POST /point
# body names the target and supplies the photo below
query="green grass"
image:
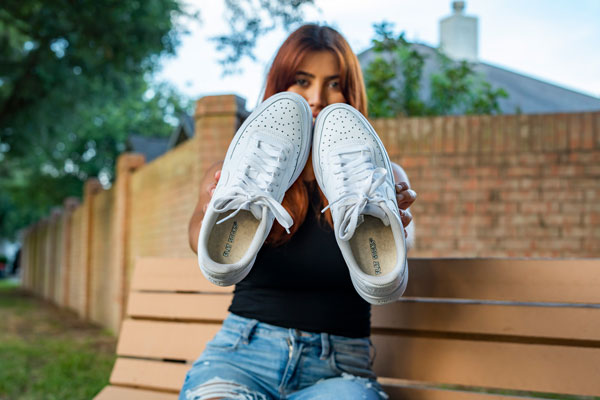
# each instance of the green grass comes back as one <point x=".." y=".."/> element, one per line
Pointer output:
<point x="47" y="353"/>
<point x="7" y="284"/>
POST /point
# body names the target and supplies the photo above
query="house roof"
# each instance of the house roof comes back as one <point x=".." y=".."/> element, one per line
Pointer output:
<point x="535" y="96"/>
<point x="150" y="147"/>
<point x="153" y="147"/>
<point x="183" y="132"/>
<point x="525" y="94"/>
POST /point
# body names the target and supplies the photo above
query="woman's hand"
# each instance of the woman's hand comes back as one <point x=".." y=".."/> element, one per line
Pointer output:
<point x="207" y="188"/>
<point x="405" y="197"/>
<point x="210" y="189"/>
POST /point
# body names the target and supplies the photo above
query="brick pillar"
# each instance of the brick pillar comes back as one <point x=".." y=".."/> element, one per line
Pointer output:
<point x="35" y="257"/>
<point x="92" y="187"/>
<point x="52" y="263"/>
<point x="32" y="257"/>
<point x="217" y="119"/>
<point x="40" y="253"/>
<point x="69" y="206"/>
<point x="40" y="264"/>
<point x="26" y="249"/>
<point x="126" y="164"/>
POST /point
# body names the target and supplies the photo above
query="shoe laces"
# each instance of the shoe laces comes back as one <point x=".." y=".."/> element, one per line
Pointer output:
<point x="356" y="183"/>
<point x="256" y="181"/>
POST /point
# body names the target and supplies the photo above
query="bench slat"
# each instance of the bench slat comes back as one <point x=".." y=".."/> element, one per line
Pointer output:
<point x="179" y="305"/>
<point x="162" y="375"/>
<point x="123" y="393"/>
<point x="569" y="323"/>
<point x="516" y="366"/>
<point x="157" y="339"/>
<point x="172" y="274"/>
<point x="422" y="393"/>
<point x="524" y="321"/>
<point x="523" y="280"/>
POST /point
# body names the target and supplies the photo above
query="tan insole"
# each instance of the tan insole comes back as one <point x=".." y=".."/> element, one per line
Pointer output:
<point x="230" y="240"/>
<point x="373" y="247"/>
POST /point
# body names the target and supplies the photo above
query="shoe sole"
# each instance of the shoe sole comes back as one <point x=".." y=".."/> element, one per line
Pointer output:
<point x="226" y="229"/>
<point x="385" y="299"/>
<point x="363" y="253"/>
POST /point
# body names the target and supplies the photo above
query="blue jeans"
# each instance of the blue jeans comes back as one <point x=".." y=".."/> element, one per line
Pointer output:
<point x="248" y="359"/>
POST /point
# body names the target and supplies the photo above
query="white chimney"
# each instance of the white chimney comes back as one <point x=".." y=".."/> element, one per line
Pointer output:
<point x="458" y="34"/>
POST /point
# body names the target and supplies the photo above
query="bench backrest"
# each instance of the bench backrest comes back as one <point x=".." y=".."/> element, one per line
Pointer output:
<point x="484" y="325"/>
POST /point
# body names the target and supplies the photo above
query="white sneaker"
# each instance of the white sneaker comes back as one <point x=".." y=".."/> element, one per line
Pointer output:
<point x="265" y="157"/>
<point x="354" y="171"/>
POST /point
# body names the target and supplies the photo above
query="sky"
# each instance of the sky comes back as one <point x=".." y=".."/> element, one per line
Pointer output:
<point x="557" y="41"/>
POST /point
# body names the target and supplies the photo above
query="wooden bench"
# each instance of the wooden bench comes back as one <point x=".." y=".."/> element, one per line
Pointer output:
<point x="464" y="327"/>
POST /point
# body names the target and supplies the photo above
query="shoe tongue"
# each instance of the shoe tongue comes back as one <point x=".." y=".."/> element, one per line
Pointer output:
<point x="353" y="147"/>
<point x="256" y="210"/>
<point x="376" y="211"/>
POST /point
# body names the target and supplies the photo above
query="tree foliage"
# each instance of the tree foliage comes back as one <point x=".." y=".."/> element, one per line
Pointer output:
<point x="248" y="20"/>
<point x="75" y="82"/>
<point x="77" y="78"/>
<point x="394" y="81"/>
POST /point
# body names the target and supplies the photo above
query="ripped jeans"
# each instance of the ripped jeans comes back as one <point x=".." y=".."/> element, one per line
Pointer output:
<point x="248" y="359"/>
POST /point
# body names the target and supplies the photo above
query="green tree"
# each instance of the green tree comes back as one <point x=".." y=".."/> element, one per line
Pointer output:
<point x="75" y="81"/>
<point x="395" y="77"/>
<point x="77" y="78"/>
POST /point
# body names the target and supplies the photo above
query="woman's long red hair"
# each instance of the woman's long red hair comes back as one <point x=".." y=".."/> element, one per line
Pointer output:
<point x="282" y="75"/>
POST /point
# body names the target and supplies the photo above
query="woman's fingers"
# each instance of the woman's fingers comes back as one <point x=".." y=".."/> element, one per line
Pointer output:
<point x="401" y="186"/>
<point x="404" y="196"/>
<point x="211" y="187"/>
<point x="405" y="217"/>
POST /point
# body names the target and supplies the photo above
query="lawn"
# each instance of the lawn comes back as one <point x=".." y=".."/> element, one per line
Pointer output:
<point x="47" y="353"/>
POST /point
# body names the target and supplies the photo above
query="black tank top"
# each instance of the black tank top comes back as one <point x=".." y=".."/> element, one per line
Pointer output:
<point x="304" y="284"/>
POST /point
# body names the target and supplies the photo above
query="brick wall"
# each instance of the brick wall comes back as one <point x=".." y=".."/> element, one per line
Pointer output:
<point x="162" y="196"/>
<point x="77" y="280"/>
<point x="102" y="286"/>
<point x="58" y="273"/>
<point x="76" y="258"/>
<point x="165" y="192"/>
<point x="516" y="186"/>
<point x="65" y="243"/>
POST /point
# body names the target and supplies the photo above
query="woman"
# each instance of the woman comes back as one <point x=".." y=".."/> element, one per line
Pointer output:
<point x="297" y="328"/>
